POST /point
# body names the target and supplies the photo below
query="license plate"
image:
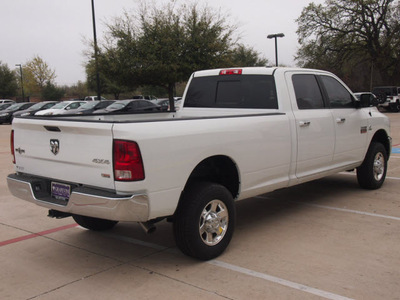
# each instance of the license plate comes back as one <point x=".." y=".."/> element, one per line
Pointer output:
<point x="60" y="191"/>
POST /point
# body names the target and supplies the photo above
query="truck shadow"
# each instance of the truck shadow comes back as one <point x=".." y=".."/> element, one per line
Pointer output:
<point x="253" y="215"/>
<point x="294" y="200"/>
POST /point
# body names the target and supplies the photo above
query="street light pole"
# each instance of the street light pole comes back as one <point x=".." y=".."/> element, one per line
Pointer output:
<point x="275" y="36"/>
<point x="22" y="81"/>
<point x="95" y="53"/>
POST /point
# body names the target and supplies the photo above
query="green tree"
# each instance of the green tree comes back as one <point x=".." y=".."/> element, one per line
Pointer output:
<point x="8" y="82"/>
<point x="163" y="46"/>
<point x="51" y="92"/>
<point x="37" y="74"/>
<point x="349" y="36"/>
<point x="243" y="56"/>
<point x="111" y="73"/>
<point x="78" y="90"/>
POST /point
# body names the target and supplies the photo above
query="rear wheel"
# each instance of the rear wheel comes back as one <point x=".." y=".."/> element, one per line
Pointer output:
<point x="94" y="223"/>
<point x="204" y="221"/>
<point x="372" y="173"/>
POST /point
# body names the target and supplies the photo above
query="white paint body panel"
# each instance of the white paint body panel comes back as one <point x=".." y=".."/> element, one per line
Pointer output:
<point x="269" y="147"/>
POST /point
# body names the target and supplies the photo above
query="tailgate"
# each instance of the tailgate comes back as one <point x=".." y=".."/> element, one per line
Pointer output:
<point x="75" y="152"/>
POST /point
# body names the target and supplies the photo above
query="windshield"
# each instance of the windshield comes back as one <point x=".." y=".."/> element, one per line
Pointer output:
<point x="37" y="106"/>
<point x="16" y="106"/>
<point x="89" y="105"/>
<point x="61" y="105"/>
<point x="117" y="105"/>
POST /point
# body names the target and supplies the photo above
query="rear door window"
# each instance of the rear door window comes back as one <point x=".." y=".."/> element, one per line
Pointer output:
<point x="308" y="92"/>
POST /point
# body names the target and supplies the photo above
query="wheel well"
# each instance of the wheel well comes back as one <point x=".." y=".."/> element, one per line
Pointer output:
<point x="219" y="169"/>
<point x="382" y="137"/>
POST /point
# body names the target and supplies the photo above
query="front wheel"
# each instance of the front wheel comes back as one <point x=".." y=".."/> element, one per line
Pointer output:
<point x="204" y="221"/>
<point x="372" y="173"/>
<point x="395" y="107"/>
<point x="94" y="223"/>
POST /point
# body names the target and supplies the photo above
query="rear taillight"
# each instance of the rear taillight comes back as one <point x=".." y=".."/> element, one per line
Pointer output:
<point x="231" y="72"/>
<point x="128" y="164"/>
<point x="12" y="146"/>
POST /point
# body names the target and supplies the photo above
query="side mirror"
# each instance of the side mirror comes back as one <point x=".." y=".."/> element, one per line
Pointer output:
<point x="367" y="100"/>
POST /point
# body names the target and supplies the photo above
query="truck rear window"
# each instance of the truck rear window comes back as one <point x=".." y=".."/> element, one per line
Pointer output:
<point x="233" y="91"/>
<point x="388" y="91"/>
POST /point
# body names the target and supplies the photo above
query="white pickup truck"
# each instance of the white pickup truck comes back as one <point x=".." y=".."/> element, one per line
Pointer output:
<point x="241" y="133"/>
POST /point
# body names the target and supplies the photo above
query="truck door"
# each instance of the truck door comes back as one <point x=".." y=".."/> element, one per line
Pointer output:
<point x="314" y="125"/>
<point x="351" y="124"/>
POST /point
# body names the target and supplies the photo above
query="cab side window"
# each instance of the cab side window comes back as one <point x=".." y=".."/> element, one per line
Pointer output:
<point x="308" y="93"/>
<point x="338" y="95"/>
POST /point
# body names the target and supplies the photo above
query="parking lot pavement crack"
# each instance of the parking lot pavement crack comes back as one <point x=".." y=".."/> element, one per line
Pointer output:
<point x="74" y="281"/>
<point x="212" y="293"/>
<point x="86" y="250"/>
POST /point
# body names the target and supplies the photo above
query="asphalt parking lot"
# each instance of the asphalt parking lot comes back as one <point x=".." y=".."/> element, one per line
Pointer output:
<point x="326" y="239"/>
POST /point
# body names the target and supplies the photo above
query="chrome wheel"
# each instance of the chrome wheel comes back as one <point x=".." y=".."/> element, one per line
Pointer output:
<point x="379" y="166"/>
<point x="372" y="173"/>
<point x="205" y="220"/>
<point x="214" y="221"/>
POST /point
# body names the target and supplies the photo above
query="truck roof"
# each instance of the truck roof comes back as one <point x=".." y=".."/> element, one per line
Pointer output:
<point x="250" y="71"/>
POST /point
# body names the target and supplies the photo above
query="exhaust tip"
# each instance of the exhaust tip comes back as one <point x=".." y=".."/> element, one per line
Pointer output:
<point x="58" y="214"/>
<point x="148" y="227"/>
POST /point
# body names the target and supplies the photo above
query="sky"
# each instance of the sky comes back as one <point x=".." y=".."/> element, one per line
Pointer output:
<point x="56" y="30"/>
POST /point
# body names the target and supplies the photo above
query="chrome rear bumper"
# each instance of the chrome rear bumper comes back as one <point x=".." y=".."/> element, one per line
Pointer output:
<point x="83" y="201"/>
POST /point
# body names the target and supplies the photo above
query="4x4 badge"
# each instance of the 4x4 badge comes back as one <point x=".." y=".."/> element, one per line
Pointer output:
<point x="55" y="146"/>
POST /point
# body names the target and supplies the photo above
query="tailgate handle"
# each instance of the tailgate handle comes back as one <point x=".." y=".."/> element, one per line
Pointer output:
<point x="52" y="128"/>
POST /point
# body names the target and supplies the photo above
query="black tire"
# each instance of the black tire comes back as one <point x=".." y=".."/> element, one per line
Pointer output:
<point x="381" y="98"/>
<point x="94" y="223"/>
<point x="205" y="220"/>
<point x="372" y="173"/>
<point x="395" y="107"/>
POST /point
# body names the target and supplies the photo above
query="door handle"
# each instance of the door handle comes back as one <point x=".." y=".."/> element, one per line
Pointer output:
<point x="340" y="120"/>
<point x="304" y="123"/>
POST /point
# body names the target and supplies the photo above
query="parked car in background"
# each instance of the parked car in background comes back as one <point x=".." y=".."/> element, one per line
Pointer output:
<point x="178" y="104"/>
<point x="93" y="98"/>
<point x="60" y="108"/>
<point x="129" y="106"/>
<point x="6" y="115"/>
<point x="388" y="96"/>
<point x="372" y="98"/>
<point x="5" y="105"/>
<point x="146" y="97"/>
<point x="6" y="101"/>
<point x="164" y="103"/>
<point x="91" y="106"/>
<point x="35" y="108"/>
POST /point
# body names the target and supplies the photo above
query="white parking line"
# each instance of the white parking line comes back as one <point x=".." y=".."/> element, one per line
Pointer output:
<point x="235" y="268"/>
<point x="277" y="280"/>
<point x="349" y="211"/>
<point x="354" y="174"/>
<point x="358" y="212"/>
<point x="267" y="277"/>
